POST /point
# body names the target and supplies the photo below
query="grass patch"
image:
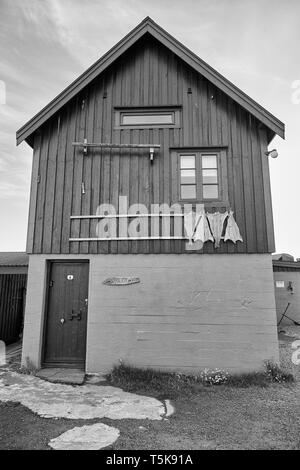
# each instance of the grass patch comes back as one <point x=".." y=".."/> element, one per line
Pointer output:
<point x="170" y="384"/>
<point x="28" y="369"/>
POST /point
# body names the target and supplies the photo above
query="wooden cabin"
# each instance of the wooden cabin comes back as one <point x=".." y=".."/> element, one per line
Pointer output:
<point x="153" y="125"/>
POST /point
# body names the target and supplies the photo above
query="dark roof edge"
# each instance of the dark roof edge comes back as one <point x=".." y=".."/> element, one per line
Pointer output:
<point x="286" y="264"/>
<point x="13" y="265"/>
<point x="148" y="25"/>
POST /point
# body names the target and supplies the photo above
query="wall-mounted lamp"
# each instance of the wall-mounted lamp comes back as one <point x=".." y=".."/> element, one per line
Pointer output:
<point x="151" y="154"/>
<point x="272" y="153"/>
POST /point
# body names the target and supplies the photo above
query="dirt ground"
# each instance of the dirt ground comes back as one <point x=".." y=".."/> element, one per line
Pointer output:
<point x="217" y="417"/>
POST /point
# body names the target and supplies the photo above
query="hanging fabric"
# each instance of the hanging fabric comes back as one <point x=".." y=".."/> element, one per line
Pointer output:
<point x="216" y="222"/>
<point x="202" y="231"/>
<point x="191" y="221"/>
<point x="232" y="231"/>
<point x="198" y="235"/>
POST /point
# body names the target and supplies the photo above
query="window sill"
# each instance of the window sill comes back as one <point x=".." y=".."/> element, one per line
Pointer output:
<point x="152" y="126"/>
<point x="206" y="202"/>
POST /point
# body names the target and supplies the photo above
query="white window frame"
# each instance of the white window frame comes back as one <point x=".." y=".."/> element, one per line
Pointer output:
<point x="142" y="111"/>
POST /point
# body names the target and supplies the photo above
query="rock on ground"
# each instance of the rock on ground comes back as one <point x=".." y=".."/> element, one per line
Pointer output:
<point x="90" y="437"/>
<point x="89" y="401"/>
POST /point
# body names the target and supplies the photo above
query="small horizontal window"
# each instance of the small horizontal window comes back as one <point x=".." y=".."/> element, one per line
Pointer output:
<point x="146" y="118"/>
<point x="140" y="119"/>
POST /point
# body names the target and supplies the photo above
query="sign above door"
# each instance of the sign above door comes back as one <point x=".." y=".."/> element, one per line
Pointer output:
<point x="121" y="281"/>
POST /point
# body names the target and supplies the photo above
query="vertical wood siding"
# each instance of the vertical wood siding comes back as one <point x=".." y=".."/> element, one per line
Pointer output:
<point x="12" y="296"/>
<point x="148" y="75"/>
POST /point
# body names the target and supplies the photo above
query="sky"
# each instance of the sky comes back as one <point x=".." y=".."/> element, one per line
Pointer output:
<point x="46" y="44"/>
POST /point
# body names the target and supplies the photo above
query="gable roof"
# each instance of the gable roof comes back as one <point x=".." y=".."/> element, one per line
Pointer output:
<point x="150" y="27"/>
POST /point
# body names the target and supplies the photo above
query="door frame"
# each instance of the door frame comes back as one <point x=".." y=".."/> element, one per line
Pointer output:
<point x="49" y="263"/>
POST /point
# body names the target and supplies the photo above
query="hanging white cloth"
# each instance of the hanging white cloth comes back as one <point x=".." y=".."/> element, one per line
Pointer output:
<point x="216" y="223"/>
<point x="232" y="231"/>
<point x="190" y="222"/>
<point x="202" y="231"/>
<point x="198" y="234"/>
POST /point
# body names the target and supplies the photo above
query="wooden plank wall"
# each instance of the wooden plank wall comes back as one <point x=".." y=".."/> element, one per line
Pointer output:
<point x="12" y="296"/>
<point x="148" y="75"/>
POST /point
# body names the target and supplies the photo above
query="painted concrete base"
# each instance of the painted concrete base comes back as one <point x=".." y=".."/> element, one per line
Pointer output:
<point x="90" y="437"/>
<point x="85" y="402"/>
<point x="188" y="313"/>
<point x="62" y="376"/>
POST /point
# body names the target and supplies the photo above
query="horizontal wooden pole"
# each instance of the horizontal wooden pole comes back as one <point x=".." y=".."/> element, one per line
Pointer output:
<point x="120" y="216"/>
<point x="114" y="145"/>
<point x="107" y="239"/>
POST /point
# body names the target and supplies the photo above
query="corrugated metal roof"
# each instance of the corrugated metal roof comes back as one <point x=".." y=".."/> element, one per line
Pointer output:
<point x="13" y="258"/>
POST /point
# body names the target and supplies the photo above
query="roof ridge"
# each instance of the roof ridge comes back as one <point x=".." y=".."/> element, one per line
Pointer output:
<point x="150" y="26"/>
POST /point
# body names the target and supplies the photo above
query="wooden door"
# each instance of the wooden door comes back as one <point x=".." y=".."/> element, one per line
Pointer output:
<point x="66" y="322"/>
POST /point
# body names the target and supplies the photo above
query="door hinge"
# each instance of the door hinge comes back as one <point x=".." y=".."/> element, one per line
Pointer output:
<point x="51" y="283"/>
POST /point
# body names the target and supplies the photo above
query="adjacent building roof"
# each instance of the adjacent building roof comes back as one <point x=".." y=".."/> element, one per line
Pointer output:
<point x="148" y="26"/>
<point x="13" y="258"/>
<point x="282" y="257"/>
<point x="285" y="262"/>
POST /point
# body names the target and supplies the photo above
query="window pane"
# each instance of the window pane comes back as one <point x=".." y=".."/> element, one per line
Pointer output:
<point x="188" y="177"/>
<point x="148" y="119"/>
<point x="210" y="191"/>
<point x="209" y="161"/>
<point x="210" y="176"/>
<point x="187" y="161"/>
<point x="188" y="191"/>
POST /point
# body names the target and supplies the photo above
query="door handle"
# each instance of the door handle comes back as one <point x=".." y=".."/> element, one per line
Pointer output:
<point x="75" y="315"/>
<point x="62" y="321"/>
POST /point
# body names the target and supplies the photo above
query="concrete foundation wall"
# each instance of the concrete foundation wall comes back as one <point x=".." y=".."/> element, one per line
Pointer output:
<point x="188" y="312"/>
